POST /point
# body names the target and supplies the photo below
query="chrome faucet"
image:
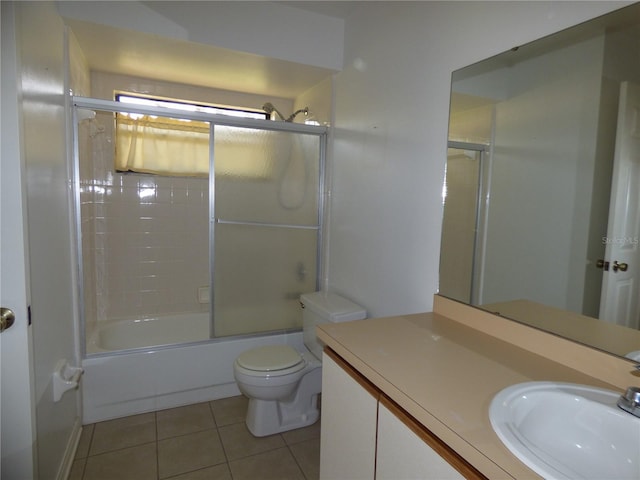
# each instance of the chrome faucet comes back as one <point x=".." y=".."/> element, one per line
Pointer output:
<point x="630" y="401"/>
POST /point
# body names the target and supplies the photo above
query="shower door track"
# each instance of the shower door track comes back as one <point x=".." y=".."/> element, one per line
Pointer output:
<point x="261" y="224"/>
<point x="213" y="119"/>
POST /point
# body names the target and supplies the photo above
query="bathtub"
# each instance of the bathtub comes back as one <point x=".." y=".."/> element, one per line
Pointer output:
<point x="149" y="332"/>
<point x="122" y="383"/>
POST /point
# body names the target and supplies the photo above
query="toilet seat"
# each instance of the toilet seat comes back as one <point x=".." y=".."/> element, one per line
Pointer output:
<point x="272" y="360"/>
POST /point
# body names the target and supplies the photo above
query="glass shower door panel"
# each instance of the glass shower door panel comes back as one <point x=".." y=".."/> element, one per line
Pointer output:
<point x="266" y="177"/>
<point x="459" y="224"/>
<point x="260" y="273"/>
<point x="266" y="232"/>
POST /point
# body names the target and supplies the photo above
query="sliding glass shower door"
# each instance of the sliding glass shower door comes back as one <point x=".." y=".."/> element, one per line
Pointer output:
<point x="265" y="234"/>
<point x="222" y="248"/>
<point x="460" y="253"/>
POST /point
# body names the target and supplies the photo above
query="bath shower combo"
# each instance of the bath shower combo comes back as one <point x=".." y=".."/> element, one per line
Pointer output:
<point x="130" y="366"/>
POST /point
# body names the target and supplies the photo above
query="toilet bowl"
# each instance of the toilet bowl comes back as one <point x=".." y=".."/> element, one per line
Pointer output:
<point x="272" y="372"/>
<point x="283" y="384"/>
<point x="282" y="397"/>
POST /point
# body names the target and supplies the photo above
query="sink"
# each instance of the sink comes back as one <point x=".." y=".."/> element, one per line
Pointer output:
<point x="568" y="431"/>
<point x="635" y="355"/>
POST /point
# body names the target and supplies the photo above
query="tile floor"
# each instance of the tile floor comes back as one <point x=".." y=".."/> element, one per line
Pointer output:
<point x="202" y="441"/>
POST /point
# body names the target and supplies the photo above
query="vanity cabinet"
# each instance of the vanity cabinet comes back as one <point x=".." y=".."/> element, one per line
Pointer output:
<point x="403" y="450"/>
<point x="348" y="423"/>
<point x="365" y="435"/>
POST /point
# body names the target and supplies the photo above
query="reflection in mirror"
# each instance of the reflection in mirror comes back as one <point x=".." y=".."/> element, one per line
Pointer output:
<point x="463" y="201"/>
<point x="542" y="189"/>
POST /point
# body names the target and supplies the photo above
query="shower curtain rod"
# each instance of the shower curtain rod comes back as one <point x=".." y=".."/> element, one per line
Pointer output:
<point x="113" y="106"/>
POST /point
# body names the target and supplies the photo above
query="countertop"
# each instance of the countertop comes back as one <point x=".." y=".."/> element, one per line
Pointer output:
<point x="445" y="375"/>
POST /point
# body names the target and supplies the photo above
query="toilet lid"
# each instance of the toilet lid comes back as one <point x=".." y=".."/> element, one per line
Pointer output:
<point x="269" y="358"/>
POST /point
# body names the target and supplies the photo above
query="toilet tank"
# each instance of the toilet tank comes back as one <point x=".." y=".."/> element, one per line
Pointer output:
<point x="325" y="307"/>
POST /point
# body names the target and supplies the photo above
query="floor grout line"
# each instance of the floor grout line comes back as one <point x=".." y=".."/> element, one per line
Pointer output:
<point x="226" y="415"/>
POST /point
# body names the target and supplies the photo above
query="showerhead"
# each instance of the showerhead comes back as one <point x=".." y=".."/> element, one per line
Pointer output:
<point x="304" y="110"/>
<point x="269" y="108"/>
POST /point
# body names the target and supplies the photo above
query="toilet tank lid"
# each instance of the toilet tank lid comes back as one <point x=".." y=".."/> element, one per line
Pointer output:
<point x="333" y="306"/>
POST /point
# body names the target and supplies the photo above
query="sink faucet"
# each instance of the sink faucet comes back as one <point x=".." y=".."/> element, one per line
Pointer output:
<point x="630" y="401"/>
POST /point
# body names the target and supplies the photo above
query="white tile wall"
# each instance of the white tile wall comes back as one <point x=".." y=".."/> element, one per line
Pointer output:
<point x="145" y="238"/>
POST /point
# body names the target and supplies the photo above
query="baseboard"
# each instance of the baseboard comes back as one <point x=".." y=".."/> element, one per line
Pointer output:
<point x="100" y="412"/>
<point x="70" y="451"/>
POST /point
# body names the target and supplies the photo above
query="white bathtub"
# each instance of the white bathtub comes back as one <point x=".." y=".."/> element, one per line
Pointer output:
<point x="118" y="384"/>
<point x="149" y="332"/>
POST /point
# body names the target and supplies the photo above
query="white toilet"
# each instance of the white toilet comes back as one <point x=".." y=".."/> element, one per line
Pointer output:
<point x="283" y="384"/>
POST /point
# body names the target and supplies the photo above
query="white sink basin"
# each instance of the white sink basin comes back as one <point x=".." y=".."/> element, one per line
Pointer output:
<point x="568" y="431"/>
<point x="634" y="355"/>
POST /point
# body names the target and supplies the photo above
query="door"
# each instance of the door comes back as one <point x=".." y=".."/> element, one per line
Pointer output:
<point x="16" y="405"/>
<point x="619" y="301"/>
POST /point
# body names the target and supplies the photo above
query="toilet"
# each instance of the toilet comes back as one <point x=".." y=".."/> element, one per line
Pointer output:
<point x="283" y="384"/>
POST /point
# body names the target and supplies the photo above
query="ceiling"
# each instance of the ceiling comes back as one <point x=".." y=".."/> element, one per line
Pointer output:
<point x="129" y="52"/>
<point x="339" y="9"/>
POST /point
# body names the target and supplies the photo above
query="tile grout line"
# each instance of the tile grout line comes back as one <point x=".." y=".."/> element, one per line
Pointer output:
<point x="155" y="422"/>
<point x="86" y="459"/>
<point x="295" y="459"/>
<point x="224" y="450"/>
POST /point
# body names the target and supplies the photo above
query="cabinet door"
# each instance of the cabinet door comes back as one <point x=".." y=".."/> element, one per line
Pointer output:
<point x="403" y="454"/>
<point x="348" y="422"/>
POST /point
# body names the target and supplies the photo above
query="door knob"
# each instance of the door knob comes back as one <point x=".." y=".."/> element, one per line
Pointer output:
<point x="619" y="266"/>
<point x="6" y="318"/>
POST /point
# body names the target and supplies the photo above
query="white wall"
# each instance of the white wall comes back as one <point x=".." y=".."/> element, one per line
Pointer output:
<point x="271" y="29"/>
<point x="44" y="132"/>
<point x="392" y="102"/>
<point x="318" y="99"/>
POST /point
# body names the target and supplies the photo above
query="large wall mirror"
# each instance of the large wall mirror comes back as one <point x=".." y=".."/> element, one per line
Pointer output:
<point x="542" y="189"/>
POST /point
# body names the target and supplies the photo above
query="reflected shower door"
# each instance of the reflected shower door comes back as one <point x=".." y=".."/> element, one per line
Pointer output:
<point x="266" y="231"/>
<point x="460" y="223"/>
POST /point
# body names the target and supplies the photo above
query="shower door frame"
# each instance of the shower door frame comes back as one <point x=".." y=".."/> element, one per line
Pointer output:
<point x="87" y="103"/>
<point x="483" y="152"/>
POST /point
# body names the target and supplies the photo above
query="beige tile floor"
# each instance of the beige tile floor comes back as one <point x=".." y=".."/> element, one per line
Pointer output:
<point x="202" y="441"/>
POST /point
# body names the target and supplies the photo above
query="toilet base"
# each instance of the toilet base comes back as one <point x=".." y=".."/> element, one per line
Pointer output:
<point x="268" y="417"/>
<point x="265" y="417"/>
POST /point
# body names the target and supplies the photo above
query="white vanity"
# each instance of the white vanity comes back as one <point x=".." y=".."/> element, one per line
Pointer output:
<point x="408" y="397"/>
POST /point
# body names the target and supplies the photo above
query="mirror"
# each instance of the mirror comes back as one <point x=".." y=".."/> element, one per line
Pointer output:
<point x="542" y="189"/>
